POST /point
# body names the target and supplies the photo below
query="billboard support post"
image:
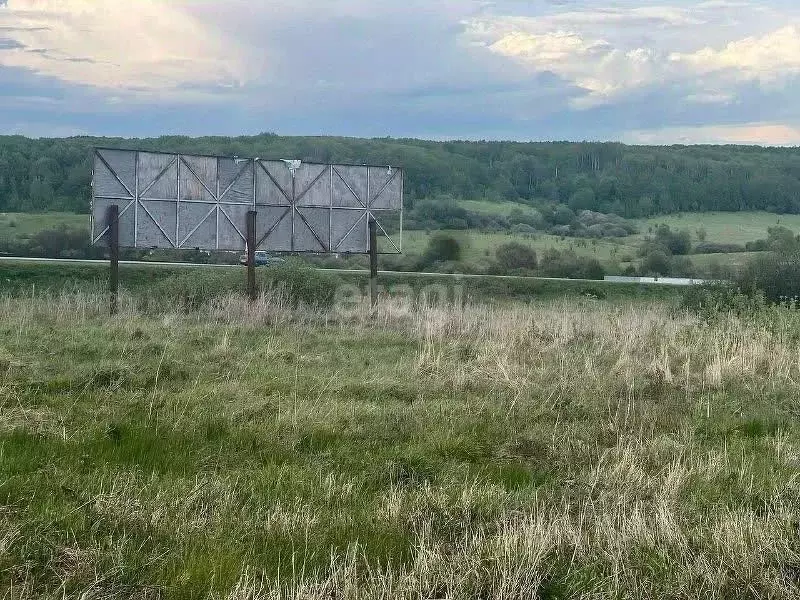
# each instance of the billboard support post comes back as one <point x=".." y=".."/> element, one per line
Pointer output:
<point x="251" y="255"/>
<point x="112" y="221"/>
<point x="373" y="262"/>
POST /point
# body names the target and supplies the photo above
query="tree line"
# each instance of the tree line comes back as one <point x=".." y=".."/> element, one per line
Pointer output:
<point x="610" y="178"/>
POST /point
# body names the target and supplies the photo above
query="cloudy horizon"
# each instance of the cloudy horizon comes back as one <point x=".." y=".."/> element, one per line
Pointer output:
<point x="717" y="71"/>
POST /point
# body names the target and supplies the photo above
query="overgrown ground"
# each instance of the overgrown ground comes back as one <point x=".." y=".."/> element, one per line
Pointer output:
<point x="557" y="450"/>
<point x="479" y="247"/>
<point x="15" y="226"/>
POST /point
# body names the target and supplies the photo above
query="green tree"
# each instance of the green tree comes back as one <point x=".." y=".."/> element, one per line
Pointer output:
<point x="782" y="239"/>
<point x="563" y="215"/>
<point x="583" y="199"/>
<point x="676" y="242"/>
<point x="657" y="263"/>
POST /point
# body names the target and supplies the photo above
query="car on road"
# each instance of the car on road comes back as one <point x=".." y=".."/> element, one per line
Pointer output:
<point x="262" y="258"/>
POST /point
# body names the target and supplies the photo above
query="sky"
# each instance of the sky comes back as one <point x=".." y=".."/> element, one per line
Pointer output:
<point x="717" y="71"/>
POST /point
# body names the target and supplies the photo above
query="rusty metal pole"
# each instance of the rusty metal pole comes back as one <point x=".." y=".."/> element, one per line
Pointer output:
<point x="112" y="219"/>
<point x="251" y="255"/>
<point x="373" y="263"/>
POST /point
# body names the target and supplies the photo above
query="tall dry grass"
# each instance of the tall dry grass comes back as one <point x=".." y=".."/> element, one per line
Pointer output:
<point x="622" y="410"/>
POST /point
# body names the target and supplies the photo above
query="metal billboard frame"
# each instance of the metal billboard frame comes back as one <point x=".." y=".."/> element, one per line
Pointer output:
<point x="157" y="182"/>
<point x="160" y="187"/>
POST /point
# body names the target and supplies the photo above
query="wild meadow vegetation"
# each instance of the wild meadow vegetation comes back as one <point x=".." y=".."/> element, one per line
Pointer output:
<point x="711" y="245"/>
<point x="306" y="447"/>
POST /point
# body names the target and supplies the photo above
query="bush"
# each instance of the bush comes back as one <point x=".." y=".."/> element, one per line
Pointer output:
<point x="523" y="229"/>
<point x="682" y="266"/>
<point x="657" y="262"/>
<point x="757" y="246"/>
<point x="777" y="276"/>
<point x="514" y="256"/>
<point x="713" y="299"/>
<point x="676" y="242"/>
<point x="59" y="242"/>
<point x="301" y="284"/>
<point x="298" y="283"/>
<point x="563" y="215"/>
<point x="193" y="288"/>
<point x="442" y="247"/>
<point x="605" y="230"/>
<point x="715" y="248"/>
<point x="569" y="265"/>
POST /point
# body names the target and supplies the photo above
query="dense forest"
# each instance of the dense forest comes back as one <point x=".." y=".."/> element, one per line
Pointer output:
<point x="629" y="181"/>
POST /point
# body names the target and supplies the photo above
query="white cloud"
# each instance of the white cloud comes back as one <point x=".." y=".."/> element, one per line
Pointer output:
<point x="592" y="64"/>
<point x="144" y="45"/>
<point x="610" y="52"/>
<point x="772" y="134"/>
<point x="463" y="68"/>
<point x="766" y="58"/>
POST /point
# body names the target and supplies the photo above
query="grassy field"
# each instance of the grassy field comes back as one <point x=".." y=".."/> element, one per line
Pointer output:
<point x="722" y="227"/>
<point x="559" y="450"/>
<point x="21" y="225"/>
<point x="733" y="228"/>
<point x="729" y="228"/>
<point x="503" y="208"/>
<point x="479" y="246"/>
<point x="734" y="260"/>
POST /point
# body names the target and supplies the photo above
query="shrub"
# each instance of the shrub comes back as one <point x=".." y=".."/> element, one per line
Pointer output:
<point x="716" y="248"/>
<point x="657" y="262"/>
<point x="523" y="229"/>
<point x="757" y="246"/>
<point x="563" y="215"/>
<point x="514" y="256"/>
<point x="712" y="299"/>
<point x="676" y="242"/>
<point x="777" y="276"/>
<point x="297" y="283"/>
<point x="682" y="266"/>
<point x="193" y="288"/>
<point x="442" y="247"/>
<point x="301" y="284"/>
<point x="568" y="264"/>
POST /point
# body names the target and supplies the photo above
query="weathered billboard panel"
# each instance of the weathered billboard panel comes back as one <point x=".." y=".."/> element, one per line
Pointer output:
<point x="186" y="202"/>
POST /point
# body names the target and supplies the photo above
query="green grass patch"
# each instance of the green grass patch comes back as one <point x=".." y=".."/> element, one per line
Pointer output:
<point x="15" y="226"/>
<point x="479" y="247"/>
<point x="550" y="449"/>
<point x="725" y="227"/>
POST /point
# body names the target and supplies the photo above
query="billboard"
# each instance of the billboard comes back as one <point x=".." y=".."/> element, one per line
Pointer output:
<point x="186" y="201"/>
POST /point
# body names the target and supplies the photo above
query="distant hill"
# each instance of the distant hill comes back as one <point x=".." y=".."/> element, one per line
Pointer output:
<point x="631" y="181"/>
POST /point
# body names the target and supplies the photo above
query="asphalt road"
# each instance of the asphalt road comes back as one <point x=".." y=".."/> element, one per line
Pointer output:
<point x="14" y="259"/>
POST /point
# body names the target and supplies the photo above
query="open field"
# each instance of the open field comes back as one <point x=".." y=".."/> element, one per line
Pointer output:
<point x="721" y="227"/>
<point x="734" y="260"/>
<point x="21" y="225"/>
<point x="480" y="246"/>
<point x="728" y="228"/>
<point x="503" y="208"/>
<point x="557" y="450"/>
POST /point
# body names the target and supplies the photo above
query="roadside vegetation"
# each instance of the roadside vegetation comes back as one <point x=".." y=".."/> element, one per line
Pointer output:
<point x="657" y="249"/>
